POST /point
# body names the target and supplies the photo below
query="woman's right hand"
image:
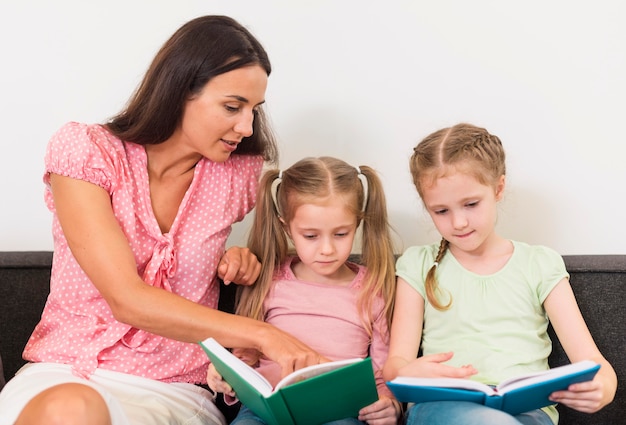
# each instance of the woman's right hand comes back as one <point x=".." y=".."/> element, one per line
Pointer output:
<point x="431" y="366"/>
<point x="290" y="353"/>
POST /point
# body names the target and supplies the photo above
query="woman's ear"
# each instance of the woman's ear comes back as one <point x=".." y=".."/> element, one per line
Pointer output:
<point x="500" y="187"/>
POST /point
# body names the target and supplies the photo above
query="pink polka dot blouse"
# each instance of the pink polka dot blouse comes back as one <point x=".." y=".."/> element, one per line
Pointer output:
<point x="77" y="326"/>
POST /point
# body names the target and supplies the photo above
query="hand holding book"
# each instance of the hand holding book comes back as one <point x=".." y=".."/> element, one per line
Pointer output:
<point x="305" y="397"/>
<point x="516" y="395"/>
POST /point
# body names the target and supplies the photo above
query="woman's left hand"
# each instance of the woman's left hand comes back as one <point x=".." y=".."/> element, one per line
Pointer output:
<point x="385" y="411"/>
<point x="239" y="265"/>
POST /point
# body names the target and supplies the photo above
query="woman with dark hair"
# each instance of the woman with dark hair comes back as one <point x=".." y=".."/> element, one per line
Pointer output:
<point x="142" y="207"/>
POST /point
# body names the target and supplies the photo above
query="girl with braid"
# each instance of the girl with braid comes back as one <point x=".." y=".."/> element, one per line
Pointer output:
<point x="476" y="304"/>
<point x="338" y="308"/>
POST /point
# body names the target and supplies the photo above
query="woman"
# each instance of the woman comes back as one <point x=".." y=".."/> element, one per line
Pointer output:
<point x="142" y="207"/>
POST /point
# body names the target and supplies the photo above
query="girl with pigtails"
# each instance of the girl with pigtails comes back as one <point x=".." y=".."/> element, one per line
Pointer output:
<point x="338" y="308"/>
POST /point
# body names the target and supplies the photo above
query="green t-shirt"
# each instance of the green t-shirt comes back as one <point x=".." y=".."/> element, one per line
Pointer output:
<point x="497" y="322"/>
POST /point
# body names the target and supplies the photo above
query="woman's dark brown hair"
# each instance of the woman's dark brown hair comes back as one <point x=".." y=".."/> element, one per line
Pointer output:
<point x="200" y="50"/>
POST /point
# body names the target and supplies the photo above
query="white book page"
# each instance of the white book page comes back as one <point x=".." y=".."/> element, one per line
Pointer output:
<point x="533" y="378"/>
<point x="311" y="371"/>
<point x="446" y="383"/>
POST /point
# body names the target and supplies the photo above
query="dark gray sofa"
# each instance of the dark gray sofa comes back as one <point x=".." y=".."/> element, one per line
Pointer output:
<point x="599" y="282"/>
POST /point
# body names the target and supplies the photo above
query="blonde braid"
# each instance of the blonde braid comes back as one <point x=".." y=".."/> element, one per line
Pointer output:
<point x="431" y="284"/>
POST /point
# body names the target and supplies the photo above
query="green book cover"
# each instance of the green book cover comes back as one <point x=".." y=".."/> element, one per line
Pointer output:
<point x="309" y="396"/>
<point x="514" y="396"/>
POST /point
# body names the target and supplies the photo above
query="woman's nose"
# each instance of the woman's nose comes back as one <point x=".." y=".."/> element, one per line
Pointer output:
<point x="244" y="124"/>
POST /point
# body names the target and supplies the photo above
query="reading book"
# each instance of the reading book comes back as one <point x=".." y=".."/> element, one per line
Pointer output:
<point x="514" y="396"/>
<point x="309" y="396"/>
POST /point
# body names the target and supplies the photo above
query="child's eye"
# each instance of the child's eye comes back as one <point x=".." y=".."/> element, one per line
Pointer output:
<point x="472" y="204"/>
<point x="441" y="211"/>
<point x="309" y="236"/>
<point x="341" y="234"/>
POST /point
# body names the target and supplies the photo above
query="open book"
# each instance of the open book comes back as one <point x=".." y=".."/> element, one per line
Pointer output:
<point x="514" y="395"/>
<point x="311" y="395"/>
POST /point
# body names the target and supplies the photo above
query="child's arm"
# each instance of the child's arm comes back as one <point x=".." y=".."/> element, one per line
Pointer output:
<point x="385" y="410"/>
<point x="406" y="334"/>
<point x="574" y="336"/>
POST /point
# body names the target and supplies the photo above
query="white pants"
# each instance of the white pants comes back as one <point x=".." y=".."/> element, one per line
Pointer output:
<point x="132" y="400"/>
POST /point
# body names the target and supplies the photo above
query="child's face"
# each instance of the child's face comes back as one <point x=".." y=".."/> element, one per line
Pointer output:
<point x="322" y="236"/>
<point x="463" y="209"/>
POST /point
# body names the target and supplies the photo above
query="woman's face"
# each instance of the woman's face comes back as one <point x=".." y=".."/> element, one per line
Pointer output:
<point x="221" y="115"/>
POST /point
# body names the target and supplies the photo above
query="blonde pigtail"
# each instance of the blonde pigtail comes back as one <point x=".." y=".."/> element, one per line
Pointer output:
<point x="267" y="240"/>
<point x="377" y="249"/>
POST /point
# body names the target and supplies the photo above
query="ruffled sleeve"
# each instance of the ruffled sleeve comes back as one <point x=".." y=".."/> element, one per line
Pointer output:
<point x="247" y="171"/>
<point x="84" y="152"/>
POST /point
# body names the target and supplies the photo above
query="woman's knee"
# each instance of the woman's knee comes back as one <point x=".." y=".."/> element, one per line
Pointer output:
<point x="66" y="404"/>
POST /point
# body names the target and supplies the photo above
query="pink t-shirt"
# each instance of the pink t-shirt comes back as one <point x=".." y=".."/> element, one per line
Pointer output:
<point x="77" y="326"/>
<point x="326" y="318"/>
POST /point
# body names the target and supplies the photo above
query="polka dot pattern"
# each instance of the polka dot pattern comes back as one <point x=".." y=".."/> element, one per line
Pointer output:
<point x="77" y="326"/>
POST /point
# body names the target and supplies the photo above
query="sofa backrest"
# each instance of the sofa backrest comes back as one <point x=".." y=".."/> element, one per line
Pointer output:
<point x="599" y="284"/>
<point x="24" y="288"/>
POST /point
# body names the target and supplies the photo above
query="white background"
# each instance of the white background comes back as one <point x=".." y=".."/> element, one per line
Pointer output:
<point x="361" y="80"/>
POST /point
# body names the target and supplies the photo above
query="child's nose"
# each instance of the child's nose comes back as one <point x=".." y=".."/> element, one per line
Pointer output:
<point x="459" y="221"/>
<point x="328" y="246"/>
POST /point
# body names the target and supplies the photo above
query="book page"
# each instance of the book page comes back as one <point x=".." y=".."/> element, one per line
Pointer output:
<point x="311" y="371"/>
<point x="464" y="384"/>
<point x="545" y="375"/>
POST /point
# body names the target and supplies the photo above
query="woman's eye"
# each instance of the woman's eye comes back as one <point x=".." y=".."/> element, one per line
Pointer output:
<point x="231" y="108"/>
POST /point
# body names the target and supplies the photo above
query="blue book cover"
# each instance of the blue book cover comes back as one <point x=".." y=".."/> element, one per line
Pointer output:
<point x="514" y="396"/>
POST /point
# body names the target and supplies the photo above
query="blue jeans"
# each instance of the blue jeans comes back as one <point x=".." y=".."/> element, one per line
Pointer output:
<point x="246" y="417"/>
<point x="467" y="413"/>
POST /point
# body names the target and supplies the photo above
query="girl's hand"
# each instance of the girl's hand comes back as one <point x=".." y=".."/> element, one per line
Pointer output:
<point x="250" y="356"/>
<point x="431" y="366"/>
<point x="587" y="397"/>
<point x="385" y="411"/>
<point x="239" y="265"/>
<point x="217" y="383"/>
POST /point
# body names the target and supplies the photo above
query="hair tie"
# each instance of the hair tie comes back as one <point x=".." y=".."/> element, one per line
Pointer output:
<point x="435" y="264"/>
<point x="274" y="190"/>
<point x="365" y="185"/>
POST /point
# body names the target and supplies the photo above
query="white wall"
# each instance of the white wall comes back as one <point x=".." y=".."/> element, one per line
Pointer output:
<point x="362" y="80"/>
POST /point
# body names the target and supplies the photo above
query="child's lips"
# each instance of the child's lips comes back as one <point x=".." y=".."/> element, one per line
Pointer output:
<point x="464" y="235"/>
